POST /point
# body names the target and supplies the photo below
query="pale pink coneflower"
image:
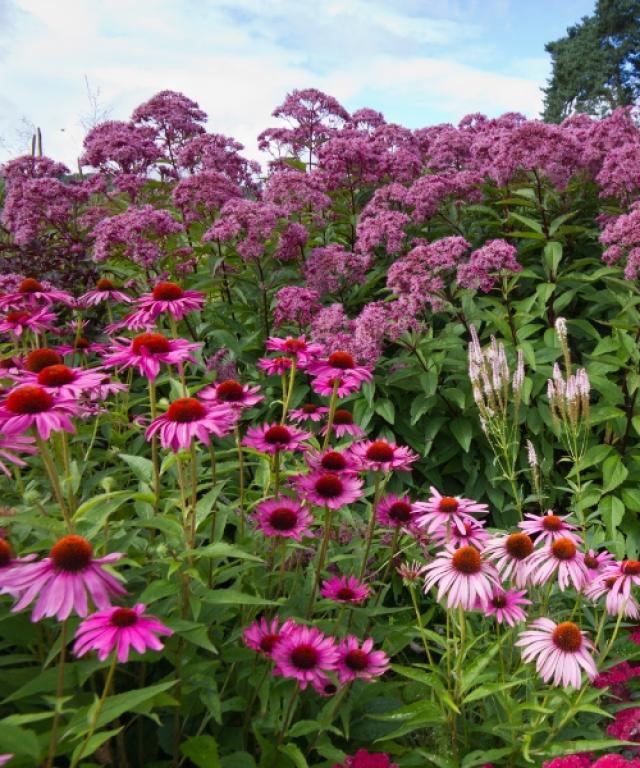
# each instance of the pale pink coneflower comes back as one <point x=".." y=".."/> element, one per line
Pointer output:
<point x="382" y="456"/>
<point x="19" y="321"/>
<point x="119" y="629"/>
<point x="231" y="392"/>
<point x="263" y="635"/>
<point x="305" y="654"/>
<point x="63" y="381"/>
<point x="463" y="575"/>
<point x="32" y="406"/>
<point x="625" y="575"/>
<point x="549" y="527"/>
<point x="511" y="554"/>
<point x="105" y="290"/>
<point x="308" y="412"/>
<point x="616" y="602"/>
<point x="474" y="534"/>
<point x="505" y="604"/>
<point x="358" y="661"/>
<point x="562" y="557"/>
<point x="4" y="759"/>
<point x="345" y="589"/>
<point x="410" y="573"/>
<point x="447" y="511"/>
<point x="596" y="563"/>
<point x="327" y="489"/>
<point x="561" y="651"/>
<point x="396" y="511"/>
<point x="338" y="462"/>
<point x="283" y="518"/>
<point x="269" y="438"/>
<point x="10" y="447"/>
<point x="146" y="351"/>
<point x="61" y="583"/>
<point x="187" y="419"/>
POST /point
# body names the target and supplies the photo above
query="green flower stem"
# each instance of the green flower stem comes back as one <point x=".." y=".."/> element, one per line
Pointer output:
<point x="155" y="459"/>
<point x="423" y="635"/>
<point x="333" y="402"/>
<point x="378" y="487"/>
<point x="240" y="477"/>
<point x="53" y="741"/>
<point x="66" y="463"/>
<point x="52" y="472"/>
<point x="287" y="399"/>
<point x="328" y="515"/>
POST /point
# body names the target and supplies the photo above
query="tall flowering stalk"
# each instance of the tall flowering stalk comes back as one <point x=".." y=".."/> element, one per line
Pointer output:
<point x="498" y="396"/>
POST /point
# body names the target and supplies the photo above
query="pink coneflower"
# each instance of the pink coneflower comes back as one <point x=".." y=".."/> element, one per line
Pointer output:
<point x="411" y="572"/>
<point x="304" y="351"/>
<point x="325" y="687"/>
<point x="63" y="381"/>
<point x="270" y="438"/>
<point x="305" y="655"/>
<point x="20" y="320"/>
<point x="357" y="661"/>
<point x="597" y="562"/>
<point x="560" y="650"/>
<point x="31" y="291"/>
<point x="463" y="575"/>
<point x="382" y="456"/>
<point x="232" y="392"/>
<point x="147" y="350"/>
<point x="616" y="602"/>
<point x="511" y="554"/>
<point x="342" y="364"/>
<point x="337" y="462"/>
<point x="119" y="629"/>
<point x="82" y="346"/>
<point x="625" y="575"/>
<point x="561" y="556"/>
<point x="275" y="366"/>
<point x="10" y="446"/>
<point x="323" y="385"/>
<point x="396" y="511"/>
<point x="505" y="606"/>
<point x="61" y="582"/>
<point x="549" y="527"/>
<point x="474" y="534"/>
<point x="308" y="412"/>
<point x="166" y="298"/>
<point x="326" y="489"/>
<point x="343" y="424"/>
<point x="41" y="358"/>
<point x="284" y="518"/>
<point x="187" y="418"/>
<point x="345" y="589"/>
<point x="263" y="635"/>
<point x="7" y="562"/>
<point x="105" y="290"/>
<point x="447" y="511"/>
<point x="32" y="406"/>
<point x="4" y="759"/>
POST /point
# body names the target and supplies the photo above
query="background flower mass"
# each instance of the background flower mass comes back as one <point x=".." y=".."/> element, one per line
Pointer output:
<point x="332" y="464"/>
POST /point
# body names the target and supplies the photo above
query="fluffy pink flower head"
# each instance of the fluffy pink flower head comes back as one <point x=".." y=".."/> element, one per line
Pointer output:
<point x="345" y="589"/>
<point x="308" y="412"/>
<point x="463" y="576"/>
<point x="283" y="518"/>
<point x="382" y="456"/>
<point x="263" y="635"/>
<point x="62" y="381"/>
<point x="119" y="629"/>
<point x="396" y="511"/>
<point x="560" y="556"/>
<point x="364" y="759"/>
<point x="360" y="662"/>
<point x="327" y="489"/>
<point x="105" y="290"/>
<point x="512" y="556"/>
<point x="561" y="651"/>
<point x="447" y="510"/>
<point x="147" y="350"/>
<point x="187" y="418"/>
<point x="343" y="424"/>
<point x="505" y="606"/>
<point x="231" y="392"/>
<point x="32" y="406"/>
<point x="626" y="727"/>
<point x="165" y="298"/>
<point x="549" y="527"/>
<point x="270" y="438"/>
<point x="305" y="655"/>
<point x="61" y="583"/>
<point x="338" y="462"/>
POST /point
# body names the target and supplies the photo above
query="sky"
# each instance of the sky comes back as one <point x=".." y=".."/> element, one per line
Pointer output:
<point x="66" y="63"/>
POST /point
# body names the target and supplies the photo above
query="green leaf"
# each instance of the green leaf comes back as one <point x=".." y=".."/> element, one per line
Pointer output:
<point x="587" y="745"/>
<point x="481" y="756"/>
<point x="461" y="429"/>
<point x="234" y="597"/>
<point x="536" y="226"/>
<point x="126" y="702"/>
<point x="386" y="409"/>
<point x="142" y="468"/>
<point x="553" y="256"/>
<point x="222" y="549"/>
<point x="100" y="507"/>
<point x="96" y="741"/>
<point x="611" y="510"/>
<point x="294" y="754"/>
<point x="614" y="473"/>
<point x="19" y="741"/>
<point x="202" y="751"/>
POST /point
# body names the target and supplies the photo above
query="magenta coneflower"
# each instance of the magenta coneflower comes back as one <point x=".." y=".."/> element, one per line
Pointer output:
<point x="511" y="554"/>
<point x="337" y="462"/>
<point x="263" y="635"/>
<point x="325" y="687"/>
<point x="597" y="562"/>
<point x="147" y="350"/>
<point x="32" y="406"/>
<point x="382" y="456"/>
<point x="10" y="446"/>
<point x="304" y="351"/>
<point x="625" y="575"/>
<point x="616" y="602"/>
<point x="62" y="380"/>
<point x="463" y="576"/>
<point x="561" y="556"/>
<point x="270" y="438"/>
<point x="345" y="589"/>
<point x="327" y="489"/>
<point x="357" y="661"/>
<point x="166" y="298"/>
<point x="41" y="358"/>
<point x="474" y="534"/>
<point x="396" y="511"/>
<point x="305" y="655"/>
<point x="119" y="629"/>
<point x="275" y="366"/>
<point x="61" y="582"/>
<point x="447" y="511"/>
<point x="549" y="527"/>
<point x="308" y="412"/>
<point x="19" y="320"/>
<point x="324" y="385"/>
<point x="105" y="290"/>
<point x="232" y="392"/>
<point x="30" y="292"/>
<point x="284" y="518"/>
<point x="4" y="759"/>
<point x="343" y="424"/>
<point x="82" y="346"/>
<point x="187" y="418"/>
<point x="560" y="650"/>
<point x="505" y="604"/>
<point x="342" y="364"/>
<point x="7" y="562"/>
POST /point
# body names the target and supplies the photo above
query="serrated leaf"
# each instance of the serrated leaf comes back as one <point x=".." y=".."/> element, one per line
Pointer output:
<point x="202" y="751"/>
